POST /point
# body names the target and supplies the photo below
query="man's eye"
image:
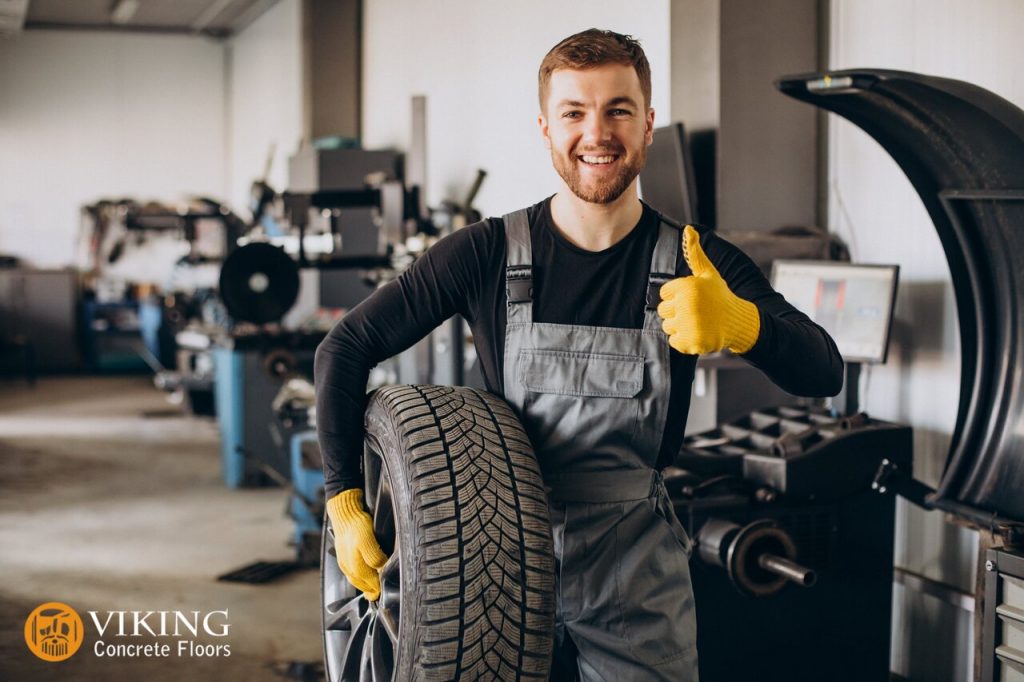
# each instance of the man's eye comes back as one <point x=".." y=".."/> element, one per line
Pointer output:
<point x="571" y="114"/>
<point x="620" y="112"/>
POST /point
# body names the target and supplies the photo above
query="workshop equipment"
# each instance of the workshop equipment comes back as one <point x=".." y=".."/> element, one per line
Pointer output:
<point x="1002" y="651"/>
<point x="962" y="148"/>
<point x="791" y="528"/>
<point x="356" y="230"/>
<point x="294" y="430"/>
<point x="38" y="320"/>
<point x="110" y="228"/>
<point x="307" y="500"/>
<point x="260" y="282"/>
<point x="248" y="371"/>
<point x="794" y="546"/>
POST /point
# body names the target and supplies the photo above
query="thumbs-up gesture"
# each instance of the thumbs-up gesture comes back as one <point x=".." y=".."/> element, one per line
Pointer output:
<point x="700" y="313"/>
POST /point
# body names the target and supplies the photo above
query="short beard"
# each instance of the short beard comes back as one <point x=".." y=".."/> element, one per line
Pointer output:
<point x="603" y="192"/>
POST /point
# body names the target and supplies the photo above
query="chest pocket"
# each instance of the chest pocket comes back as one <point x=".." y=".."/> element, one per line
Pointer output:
<point x="579" y="374"/>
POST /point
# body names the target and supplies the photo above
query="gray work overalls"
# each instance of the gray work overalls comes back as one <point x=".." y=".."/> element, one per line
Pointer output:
<point x="594" y="402"/>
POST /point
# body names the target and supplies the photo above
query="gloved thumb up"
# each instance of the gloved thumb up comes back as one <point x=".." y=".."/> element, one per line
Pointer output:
<point x="700" y="313"/>
<point x="693" y="253"/>
<point x="359" y="554"/>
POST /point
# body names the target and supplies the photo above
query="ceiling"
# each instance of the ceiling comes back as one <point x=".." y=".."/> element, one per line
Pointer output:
<point x="215" y="18"/>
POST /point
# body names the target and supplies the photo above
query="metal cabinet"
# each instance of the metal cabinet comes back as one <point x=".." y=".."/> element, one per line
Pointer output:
<point x="40" y="305"/>
<point x="1003" y="634"/>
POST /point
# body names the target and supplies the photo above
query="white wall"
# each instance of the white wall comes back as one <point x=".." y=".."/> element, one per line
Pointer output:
<point x="265" y="99"/>
<point x="90" y="115"/>
<point x="873" y="206"/>
<point x="477" y="61"/>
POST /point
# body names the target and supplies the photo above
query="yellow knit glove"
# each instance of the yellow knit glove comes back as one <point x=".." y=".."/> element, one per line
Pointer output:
<point x="700" y="313"/>
<point x="359" y="555"/>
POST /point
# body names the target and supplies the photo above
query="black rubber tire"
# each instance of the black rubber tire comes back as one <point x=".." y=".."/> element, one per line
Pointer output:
<point x="453" y="485"/>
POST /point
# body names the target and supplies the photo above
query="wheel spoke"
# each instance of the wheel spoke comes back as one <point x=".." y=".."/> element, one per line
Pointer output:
<point x="388" y="620"/>
<point x="389" y="606"/>
<point x="389" y="572"/>
<point x="381" y="652"/>
<point x="355" y="651"/>
<point x="365" y="664"/>
<point x="329" y="545"/>
<point x="348" y="616"/>
<point x="335" y="587"/>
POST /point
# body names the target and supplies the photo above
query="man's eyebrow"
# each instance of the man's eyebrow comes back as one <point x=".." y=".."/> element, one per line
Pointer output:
<point x="623" y="100"/>
<point x="615" y="101"/>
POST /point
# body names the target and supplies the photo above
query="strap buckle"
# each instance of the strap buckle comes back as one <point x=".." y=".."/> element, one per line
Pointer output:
<point x="519" y="284"/>
<point x="654" y="283"/>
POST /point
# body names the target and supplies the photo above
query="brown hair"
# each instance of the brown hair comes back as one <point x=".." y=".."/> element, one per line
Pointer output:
<point x="592" y="48"/>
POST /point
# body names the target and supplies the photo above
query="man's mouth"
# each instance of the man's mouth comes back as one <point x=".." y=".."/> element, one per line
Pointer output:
<point x="598" y="160"/>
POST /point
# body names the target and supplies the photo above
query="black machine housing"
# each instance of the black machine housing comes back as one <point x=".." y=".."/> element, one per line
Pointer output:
<point x="962" y="148"/>
<point x="794" y="483"/>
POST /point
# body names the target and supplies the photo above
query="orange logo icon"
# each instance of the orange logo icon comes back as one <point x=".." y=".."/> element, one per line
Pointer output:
<point x="53" y="631"/>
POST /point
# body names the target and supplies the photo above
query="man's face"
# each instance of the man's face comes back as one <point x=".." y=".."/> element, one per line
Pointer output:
<point x="597" y="129"/>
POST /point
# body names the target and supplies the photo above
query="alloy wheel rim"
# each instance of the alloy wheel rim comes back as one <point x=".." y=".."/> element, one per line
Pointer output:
<point x="361" y="636"/>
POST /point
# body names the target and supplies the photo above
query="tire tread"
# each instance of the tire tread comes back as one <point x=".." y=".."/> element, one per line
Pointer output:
<point x="484" y="553"/>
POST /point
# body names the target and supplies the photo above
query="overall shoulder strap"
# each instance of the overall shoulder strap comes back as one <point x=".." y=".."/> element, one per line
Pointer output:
<point x="518" y="266"/>
<point x="664" y="258"/>
<point x="663" y="268"/>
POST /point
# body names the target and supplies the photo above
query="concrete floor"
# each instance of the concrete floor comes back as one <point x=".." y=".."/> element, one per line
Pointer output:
<point x="111" y="499"/>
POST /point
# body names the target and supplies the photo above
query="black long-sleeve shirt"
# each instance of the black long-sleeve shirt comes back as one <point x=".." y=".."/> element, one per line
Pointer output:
<point x="464" y="273"/>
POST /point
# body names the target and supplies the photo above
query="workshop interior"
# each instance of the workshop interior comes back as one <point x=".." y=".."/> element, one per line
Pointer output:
<point x="194" y="193"/>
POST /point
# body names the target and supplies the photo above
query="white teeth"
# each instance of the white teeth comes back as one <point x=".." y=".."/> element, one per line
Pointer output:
<point x="597" y="159"/>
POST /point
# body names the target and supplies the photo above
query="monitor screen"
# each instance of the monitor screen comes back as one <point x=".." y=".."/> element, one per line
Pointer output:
<point x="667" y="179"/>
<point x="854" y="303"/>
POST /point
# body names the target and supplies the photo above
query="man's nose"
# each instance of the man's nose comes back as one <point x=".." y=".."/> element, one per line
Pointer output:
<point x="596" y="130"/>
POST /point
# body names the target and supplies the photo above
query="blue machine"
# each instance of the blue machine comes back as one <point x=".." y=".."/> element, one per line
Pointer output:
<point x="307" y="502"/>
<point x="249" y="373"/>
<point x="228" y="390"/>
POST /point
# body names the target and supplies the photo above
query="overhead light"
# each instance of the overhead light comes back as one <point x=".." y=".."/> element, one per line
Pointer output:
<point x="12" y="16"/>
<point x="123" y="11"/>
<point x="827" y="85"/>
<point x="209" y="14"/>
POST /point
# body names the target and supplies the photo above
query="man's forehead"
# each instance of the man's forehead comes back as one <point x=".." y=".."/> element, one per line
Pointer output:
<point x="605" y="82"/>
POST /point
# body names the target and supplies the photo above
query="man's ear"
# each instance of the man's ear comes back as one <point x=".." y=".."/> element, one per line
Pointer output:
<point x="649" y="132"/>
<point x="542" y="121"/>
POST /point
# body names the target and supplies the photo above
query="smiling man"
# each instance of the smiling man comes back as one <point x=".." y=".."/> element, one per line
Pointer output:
<point x="563" y="299"/>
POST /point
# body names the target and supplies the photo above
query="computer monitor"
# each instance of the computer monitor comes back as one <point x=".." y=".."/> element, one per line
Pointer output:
<point x="854" y="303"/>
<point x="667" y="180"/>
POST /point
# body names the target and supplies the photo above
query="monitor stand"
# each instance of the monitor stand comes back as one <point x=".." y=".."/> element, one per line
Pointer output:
<point x="847" y="403"/>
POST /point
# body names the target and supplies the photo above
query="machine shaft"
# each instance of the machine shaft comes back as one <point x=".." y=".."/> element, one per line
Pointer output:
<point x="787" y="569"/>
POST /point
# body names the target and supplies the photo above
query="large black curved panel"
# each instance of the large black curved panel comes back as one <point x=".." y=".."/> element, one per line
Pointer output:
<point x="962" y="147"/>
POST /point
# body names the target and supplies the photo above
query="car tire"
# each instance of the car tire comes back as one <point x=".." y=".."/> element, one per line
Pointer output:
<point x="459" y="507"/>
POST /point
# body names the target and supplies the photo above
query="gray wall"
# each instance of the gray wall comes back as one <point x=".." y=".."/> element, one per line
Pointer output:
<point x="767" y="143"/>
<point x="694" y="60"/>
<point x="333" y="45"/>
